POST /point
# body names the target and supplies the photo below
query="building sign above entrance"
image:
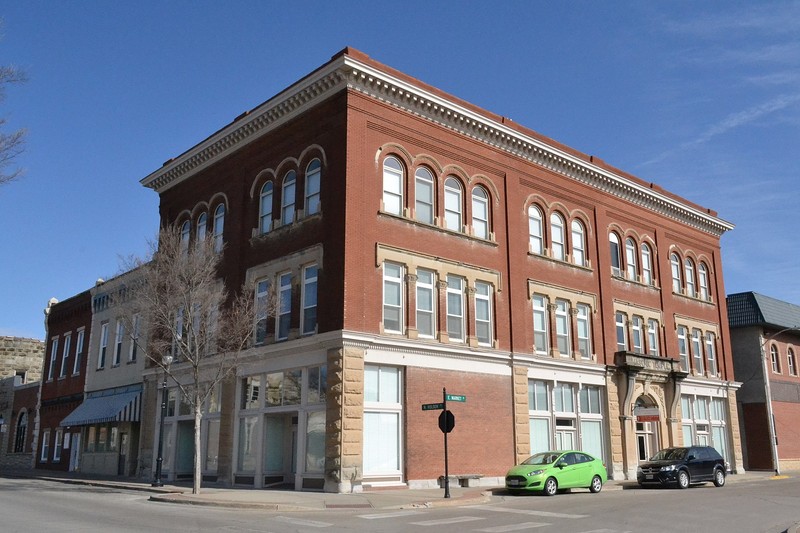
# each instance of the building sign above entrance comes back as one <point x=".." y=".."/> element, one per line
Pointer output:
<point x="646" y="414"/>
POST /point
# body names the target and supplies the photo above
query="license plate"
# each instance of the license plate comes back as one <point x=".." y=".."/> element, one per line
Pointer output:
<point x="513" y="482"/>
<point x="649" y="476"/>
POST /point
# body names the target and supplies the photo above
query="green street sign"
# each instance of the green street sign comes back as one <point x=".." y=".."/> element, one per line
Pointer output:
<point x="432" y="406"/>
<point x="455" y="398"/>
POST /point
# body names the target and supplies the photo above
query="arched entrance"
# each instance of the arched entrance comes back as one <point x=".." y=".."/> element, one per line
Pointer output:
<point x="647" y="416"/>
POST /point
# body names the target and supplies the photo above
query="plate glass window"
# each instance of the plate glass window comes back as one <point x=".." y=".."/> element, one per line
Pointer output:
<point x="392" y="186"/>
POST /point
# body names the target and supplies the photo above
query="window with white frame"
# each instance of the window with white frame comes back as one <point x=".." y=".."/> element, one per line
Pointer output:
<point x="584" y="330"/>
<point x="265" y="208"/>
<point x="578" y="243"/>
<point x="426" y="303"/>
<point x="58" y="445"/>
<point x="702" y="274"/>
<point x="683" y="347"/>
<point x="219" y="227"/>
<point x="423" y="195"/>
<point x="652" y="337"/>
<point x="647" y="265"/>
<point x="45" y="453"/>
<point x="202" y="227"/>
<point x="455" y="308"/>
<point x="483" y="313"/>
<point x="313" y="171"/>
<point x="792" y="362"/>
<point x="65" y="355"/>
<point x="704" y="422"/>
<point x="675" y="265"/>
<point x="563" y="328"/>
<point x="775" y="359"/>
<point x="392" y="298"/>
<point x="79" y="343"/>
<point x="262" y="310"/>
<point x="53" y="355"/>
<point x="284" y="317"/>
<point x="711" y="353"/>
<point x="288" y="192"/>
<point x="119" y="335"/>
<point x="637" y="333"/>
<point x="621" y="323"/>
<point x="392" y="186"/>
<point x="186" y="232"/>
<point x="557" y="244"/>
<point x="480" y="213"/>
<point x="136" y="324"/>
<point x="540" y="324"/>
<point x="697" y="350"/>
<point x="630" y="259"/>
<point x="564" y="410"/>
<point x="452" y="204"/>
<point x="309" y="317"/>
<point x="101" y="356"/>
<point x="616" y="254"/>
<point x="591" y="420"/>
<point x="383" y="417"/>
<point x="535" y="230"/>
<point x="540" y="416"/>
<point x="689" y="270"/>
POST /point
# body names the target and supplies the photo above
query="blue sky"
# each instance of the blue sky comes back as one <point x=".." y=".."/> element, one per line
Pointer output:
<point x="702" y="98"/>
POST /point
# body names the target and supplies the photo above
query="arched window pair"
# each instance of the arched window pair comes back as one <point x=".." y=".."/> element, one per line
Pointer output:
<point x="288" y="193"/>
<point x="688" y="279"/>
<point x="638" y="260"/>
<point x="558" y="243"/>
<point x="201" y="230"/>
<point x="425" y="199"/>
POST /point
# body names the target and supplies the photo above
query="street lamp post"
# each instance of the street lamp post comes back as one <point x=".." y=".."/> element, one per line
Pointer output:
<point x="157" y="482"/>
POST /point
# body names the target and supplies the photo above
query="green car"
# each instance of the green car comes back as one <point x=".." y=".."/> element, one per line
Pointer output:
<point x="555" y="470"/>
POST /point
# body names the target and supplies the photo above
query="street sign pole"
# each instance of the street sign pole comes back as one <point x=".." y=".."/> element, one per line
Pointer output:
<point x="446" y="470"/>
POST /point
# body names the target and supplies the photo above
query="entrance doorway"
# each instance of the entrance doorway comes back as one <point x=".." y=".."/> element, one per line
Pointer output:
<point x="280" y="450"/>
<point x="184" y="460"/>
<point x="75" y="452"/>
<point x="124" y="446"/>
<point x="647" y="433"/>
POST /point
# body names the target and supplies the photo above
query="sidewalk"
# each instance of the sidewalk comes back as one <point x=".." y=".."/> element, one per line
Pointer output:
<point x="289" y="500"/>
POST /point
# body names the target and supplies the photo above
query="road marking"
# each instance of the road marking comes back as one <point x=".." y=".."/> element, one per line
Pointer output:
<point x="447" y="521"/>
<point x="388" y="515"/>
<point x="514" y="527"/>
<point x="605" y="531"/>
<point x="545" y="514"/>
<point x="301" y="522"/>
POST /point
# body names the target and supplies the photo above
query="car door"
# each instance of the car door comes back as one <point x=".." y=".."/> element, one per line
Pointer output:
<point x="566" y="473"/>
<point x="696" y="462"/>
<point x="583" y="470"/>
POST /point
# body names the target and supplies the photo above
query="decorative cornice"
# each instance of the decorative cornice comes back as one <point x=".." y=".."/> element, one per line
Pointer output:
<point x="345" y="71"/>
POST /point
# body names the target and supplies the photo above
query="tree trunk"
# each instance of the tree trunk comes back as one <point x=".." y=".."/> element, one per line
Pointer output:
<point x="198" y="475"/>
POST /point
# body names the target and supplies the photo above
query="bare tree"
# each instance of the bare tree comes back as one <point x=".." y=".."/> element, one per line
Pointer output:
<point x="195" y="329"/>
<point x="11" y="144"/>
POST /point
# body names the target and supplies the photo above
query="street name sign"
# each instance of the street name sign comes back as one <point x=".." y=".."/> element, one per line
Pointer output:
<point x="432" y="406"/>
<point x="455" y="398"/>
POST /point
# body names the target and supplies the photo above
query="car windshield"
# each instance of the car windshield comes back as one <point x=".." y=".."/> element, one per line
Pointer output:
<point x="544" y="458"/>
<point x="670" y="454"/>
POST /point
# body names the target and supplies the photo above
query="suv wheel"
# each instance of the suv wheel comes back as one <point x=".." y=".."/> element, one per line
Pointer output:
<point x="719" y="477"/>
<point x="683" y="479"/>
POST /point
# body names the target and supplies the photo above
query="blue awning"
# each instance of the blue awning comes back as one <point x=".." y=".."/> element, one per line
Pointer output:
<point x="121" y="407"/>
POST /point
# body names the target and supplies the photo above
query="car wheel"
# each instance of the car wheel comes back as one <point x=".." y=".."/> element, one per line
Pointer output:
<point x="550" y="486"/>
<point x="597" y="484"/>
<point x="683" y="479"/>
<point x="719" y="477"/>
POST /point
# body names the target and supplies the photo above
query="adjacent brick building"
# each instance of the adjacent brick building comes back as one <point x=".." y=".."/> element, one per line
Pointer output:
<point x="765" y="335"/>
<point x="418" y="243"/>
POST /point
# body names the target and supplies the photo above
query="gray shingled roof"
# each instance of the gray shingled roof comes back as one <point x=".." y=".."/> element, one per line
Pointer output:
<point x="753" y="309"/>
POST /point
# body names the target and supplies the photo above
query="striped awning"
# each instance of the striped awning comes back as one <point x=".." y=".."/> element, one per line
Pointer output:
<point x="120" y="407"/>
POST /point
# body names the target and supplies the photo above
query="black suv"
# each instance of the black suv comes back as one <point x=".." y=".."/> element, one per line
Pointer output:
<point x="683" y="466"/>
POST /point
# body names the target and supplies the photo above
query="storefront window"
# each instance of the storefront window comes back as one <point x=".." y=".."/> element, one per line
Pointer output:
<point x="248" y="444"/>
<point x="315" y="442"/>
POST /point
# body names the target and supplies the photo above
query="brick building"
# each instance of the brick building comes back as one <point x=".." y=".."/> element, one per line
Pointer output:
<point x="765" y="336"/>
<point x="416" y="243"/>
<point x="20" y="372"/>
<point x="68" y="325"/>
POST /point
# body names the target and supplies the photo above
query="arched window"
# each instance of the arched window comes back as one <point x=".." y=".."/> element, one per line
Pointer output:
<point x="219" y="226"/>
<point x="775" y="359"/>
<point x="675" y="264"/>
<point x="312" y="187"/>
<point x="480" y="213"/>
<point x="535" y="230"/>
<point x="265" y="208"/>
<point x="423" y="195"/>
<point x="702" y="274"/>
<point x="578" y="243"/>
<point x="21" y="432"/>
<point x="392" y="186"/>
<point x="690" y="287"/>
<point x="186" y="232"/>
<point x="287" y="198"/>
<point x="452" y="204"/>
<point x="202" y="227"/>
<point x="557" y="237"/>
<point x="616" y="254"/>
<point x="647" y="265"/>
<point x="630" y="259"/>
<point x="792" y="363"/>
